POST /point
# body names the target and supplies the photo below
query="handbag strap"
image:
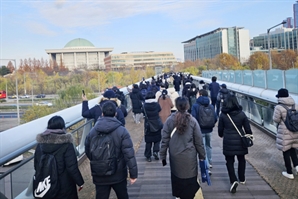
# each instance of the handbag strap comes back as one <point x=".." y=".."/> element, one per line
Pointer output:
<point x="145" y="111"/>
<point x="234" y="125"/>
<point x="174" y="130"/>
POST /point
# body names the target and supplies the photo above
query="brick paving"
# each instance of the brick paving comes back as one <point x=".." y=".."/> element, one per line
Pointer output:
<point x="263" y="172"/>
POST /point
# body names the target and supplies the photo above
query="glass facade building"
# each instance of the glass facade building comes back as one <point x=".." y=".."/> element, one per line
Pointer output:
<point x="233" y="40"/>
<point x="283" y="38"/>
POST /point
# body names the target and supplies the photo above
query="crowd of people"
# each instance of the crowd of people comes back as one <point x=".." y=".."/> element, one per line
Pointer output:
<point x="178" y="119"/>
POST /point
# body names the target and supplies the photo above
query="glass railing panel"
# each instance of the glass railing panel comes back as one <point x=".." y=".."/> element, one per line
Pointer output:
<point x="258" y="78"/>
<point x="225" y="76"/>
<point x="21" y="178"/>
<point x="232" y="76"/>
<point x="238" y="76"/>
<point x="291" y="77"/>
<point x="247" y="77"/>
<point x="275" y="79"/>
<point x="256" y="112"/>
<point x="5" y="185"/>
<point x="268" y="121"/>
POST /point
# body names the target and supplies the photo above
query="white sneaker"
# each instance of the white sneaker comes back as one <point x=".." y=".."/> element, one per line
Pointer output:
<point x="243" y="182"/>
<point x="290" y="176"/>
<point x="296" y="169"/>
<point x="210" y="166"/>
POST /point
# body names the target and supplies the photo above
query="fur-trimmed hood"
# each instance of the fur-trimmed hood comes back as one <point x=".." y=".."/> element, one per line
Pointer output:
<point x="51" y="137"/>
<point x="118" y="102"/>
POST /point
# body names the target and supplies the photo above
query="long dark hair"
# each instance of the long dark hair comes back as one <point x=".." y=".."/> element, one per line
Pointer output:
<point x="231" y="103"/>
<point x="182" y="116"/>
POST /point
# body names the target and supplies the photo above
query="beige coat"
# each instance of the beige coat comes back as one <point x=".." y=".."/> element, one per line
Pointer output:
<point x="285" y="139"/>
<point x="166" y="105"/>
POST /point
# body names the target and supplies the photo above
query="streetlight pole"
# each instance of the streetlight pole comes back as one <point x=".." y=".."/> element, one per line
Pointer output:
<point x="268" y="38"/>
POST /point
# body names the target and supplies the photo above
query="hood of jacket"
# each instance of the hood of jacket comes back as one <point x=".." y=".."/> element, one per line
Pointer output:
<point x="204" y="100"/>
<point x="54" y="136"/>
<point x="286" y="101"/>
<point x="107" y="124"/>
<point x="224" y="91"/>
<point x="135" y="90"/>
<point x="171" y="90"/>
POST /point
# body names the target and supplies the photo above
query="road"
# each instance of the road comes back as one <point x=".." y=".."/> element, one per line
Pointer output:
<point x="10" y="115"/>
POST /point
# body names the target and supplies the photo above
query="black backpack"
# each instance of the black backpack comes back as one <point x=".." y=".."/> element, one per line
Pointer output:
<point x="291" y="121"/>
<point x="206" y="116"/>
<point x="46" y="178"/>
<point x="103" y="155"/>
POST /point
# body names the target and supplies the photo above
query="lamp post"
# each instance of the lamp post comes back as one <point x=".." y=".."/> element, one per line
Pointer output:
<point x="268" y="38"/>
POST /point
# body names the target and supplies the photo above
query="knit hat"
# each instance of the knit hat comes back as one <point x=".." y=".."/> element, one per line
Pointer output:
<point x="282" y="93"/>
<point x="224" y="86"/>
<point x="109" y="94"/>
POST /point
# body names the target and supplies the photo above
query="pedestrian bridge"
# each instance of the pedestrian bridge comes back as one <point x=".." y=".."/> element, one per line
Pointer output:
<point x="265" y="163"/>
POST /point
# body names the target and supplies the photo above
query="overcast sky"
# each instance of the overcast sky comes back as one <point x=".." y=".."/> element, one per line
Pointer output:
<point x="29" y="27"/>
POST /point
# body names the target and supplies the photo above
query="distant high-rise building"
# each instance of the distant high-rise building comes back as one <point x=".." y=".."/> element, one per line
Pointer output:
<point x="295" y="10"/>
<point x="289" y="23"/>
<point x="233" y="40"/>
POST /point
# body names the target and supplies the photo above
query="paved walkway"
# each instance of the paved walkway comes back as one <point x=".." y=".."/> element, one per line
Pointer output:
<point x="263" y="172"/>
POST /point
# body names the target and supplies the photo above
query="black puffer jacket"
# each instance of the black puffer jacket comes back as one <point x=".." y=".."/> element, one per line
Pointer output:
<point x="232" y="144"/>
<point x="124" y="150"/>
<point x="152" y="109"/>
<point x="69" y="173"/>
<point x="136" y="100"/>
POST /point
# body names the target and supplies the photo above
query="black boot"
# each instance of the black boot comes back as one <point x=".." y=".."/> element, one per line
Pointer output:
<point x="155" y="154"/>
<point x="148" y="159"/>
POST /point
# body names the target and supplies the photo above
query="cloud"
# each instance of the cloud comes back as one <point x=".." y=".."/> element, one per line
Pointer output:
<point x="71" y="14"/>
<point x="39" y="28"/>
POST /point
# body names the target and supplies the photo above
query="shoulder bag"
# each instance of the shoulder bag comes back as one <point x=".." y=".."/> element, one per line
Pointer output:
<point x="247" y="139"/>
<point x="153" y="125"/>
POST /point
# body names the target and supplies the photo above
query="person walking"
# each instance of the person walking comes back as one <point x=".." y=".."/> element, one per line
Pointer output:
<point x="152" y="138"/>
<point x="166" y="105"/>
<point x="56" y="140"/>
<point x="95" y="112"/>
<point x="232" y="143"/>
<point x="136" y="101"/>
<point x="181" y="135"/>
<point x="173" y="95"/>
<point x="214" y="89"/>
<point x="206" y="120"/>
<point x="109" y="127"/>
<point x="222" y="95"/>
<point x="286" y="140"/>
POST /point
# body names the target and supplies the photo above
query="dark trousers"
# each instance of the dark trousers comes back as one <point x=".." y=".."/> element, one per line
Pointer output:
<point x="288" y="155"/>
<point x="213" y="101"/>
<point x="103" y="191"/>
<point x="241" y="168"/>
<point x="148" y="152"/>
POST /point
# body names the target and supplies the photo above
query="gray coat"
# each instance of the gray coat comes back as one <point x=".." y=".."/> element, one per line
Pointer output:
<point x="183" y="148"/>
<point x="285" y="139"/>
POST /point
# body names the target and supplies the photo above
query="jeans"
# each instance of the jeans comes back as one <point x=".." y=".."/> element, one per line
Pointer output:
<point x="103" y="191"/>
<point x="148" y="152"/>
<point x="208" y="147"/>
<point x="241" y="168"/>
<point x="288" y="155"/>
<point x="137" y="117"/>
<point x="213" y="101"/>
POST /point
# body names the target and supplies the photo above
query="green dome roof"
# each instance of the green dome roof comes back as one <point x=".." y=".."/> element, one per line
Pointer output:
<point x="79" y="42"/>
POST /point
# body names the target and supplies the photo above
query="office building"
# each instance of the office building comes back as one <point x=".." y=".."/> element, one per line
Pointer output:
<point x="139" y="60"/>
<point x="280" y="39"/>
<point x="233" y="40"/>
<point x="295" y="11"/>
<point x="289" y="23"/>
<point x="79" y="53"/>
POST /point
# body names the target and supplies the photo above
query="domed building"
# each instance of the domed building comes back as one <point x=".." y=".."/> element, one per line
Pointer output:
<point x="79" y="53"/>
